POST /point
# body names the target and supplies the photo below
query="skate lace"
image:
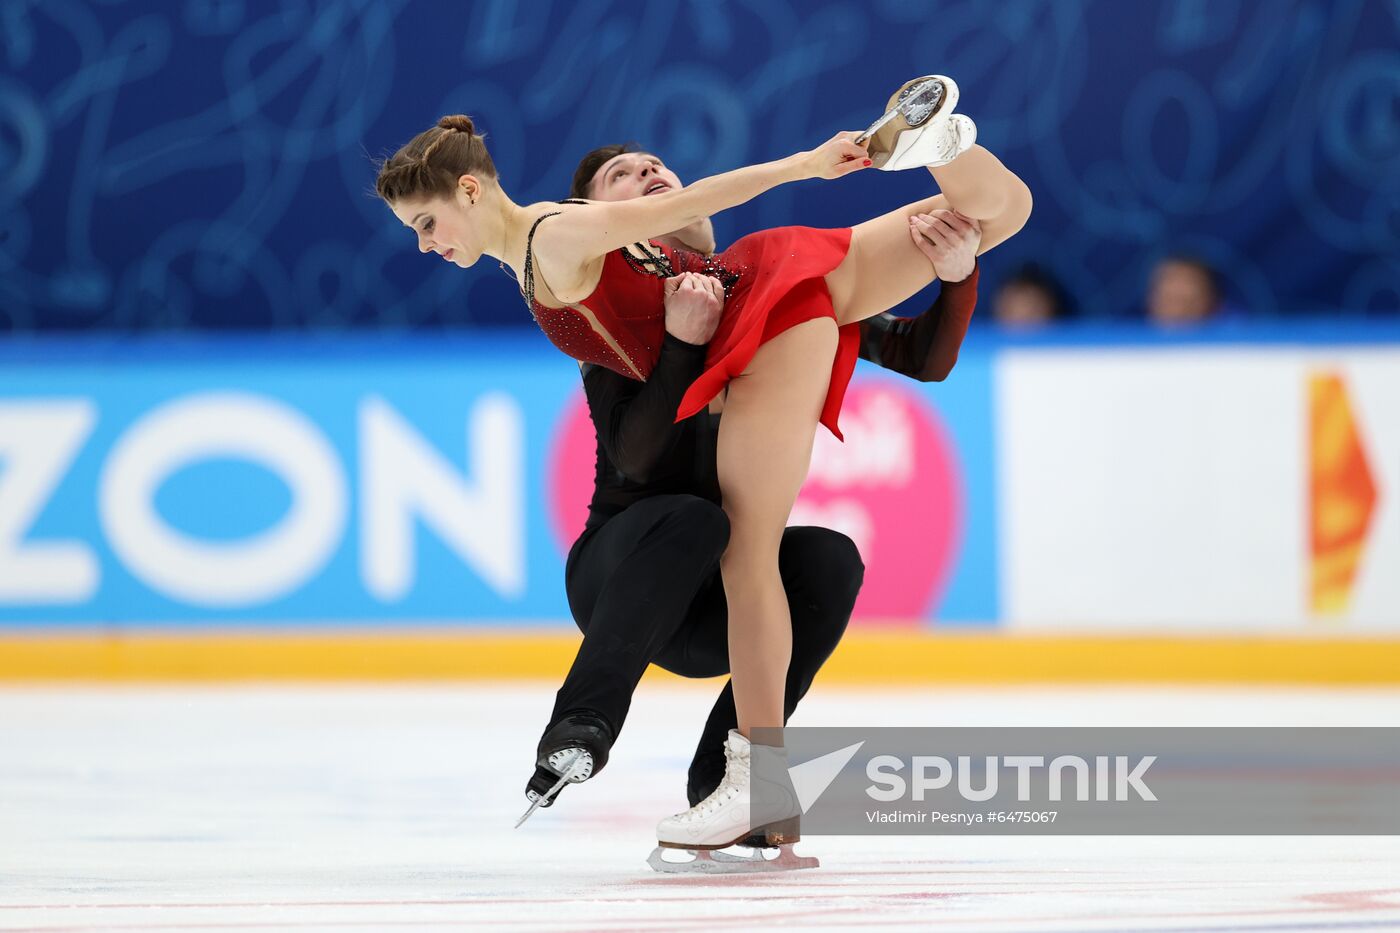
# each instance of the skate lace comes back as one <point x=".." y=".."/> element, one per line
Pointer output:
<point x="951" y="139"/>
<point x="725" y="792"/>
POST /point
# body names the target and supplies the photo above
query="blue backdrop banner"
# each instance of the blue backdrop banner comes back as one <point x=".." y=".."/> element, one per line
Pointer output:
<point x="207" y="163"/>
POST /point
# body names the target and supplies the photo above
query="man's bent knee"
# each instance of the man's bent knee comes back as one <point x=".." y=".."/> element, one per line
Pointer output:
<point x="824" y="568"/>
<point x="711" y="526"/>
<point x="705" y="526"/>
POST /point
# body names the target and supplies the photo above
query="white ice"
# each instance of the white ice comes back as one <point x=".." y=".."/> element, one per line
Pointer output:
<point x="259" y="807"/>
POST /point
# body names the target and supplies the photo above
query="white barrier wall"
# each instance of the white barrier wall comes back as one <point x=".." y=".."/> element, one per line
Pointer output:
<point x="1199" y="488"/>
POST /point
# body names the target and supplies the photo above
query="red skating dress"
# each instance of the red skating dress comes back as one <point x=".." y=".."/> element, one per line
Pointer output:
<point x="772" y="280"/>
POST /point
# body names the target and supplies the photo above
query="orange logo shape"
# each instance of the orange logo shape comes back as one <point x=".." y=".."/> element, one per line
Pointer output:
<point x="1343" y="494"/>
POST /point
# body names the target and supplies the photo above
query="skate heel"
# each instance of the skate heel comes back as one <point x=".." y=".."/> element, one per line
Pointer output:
<point x="781" y="833"/>
<point x="574" y="763"/>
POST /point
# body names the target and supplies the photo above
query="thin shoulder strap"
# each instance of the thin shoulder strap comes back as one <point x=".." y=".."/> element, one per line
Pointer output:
<point x="529" y="288"/>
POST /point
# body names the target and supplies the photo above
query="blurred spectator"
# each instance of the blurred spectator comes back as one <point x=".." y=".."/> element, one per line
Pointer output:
<point x="1031" y="297"/>
<point x="1183" y="290"/>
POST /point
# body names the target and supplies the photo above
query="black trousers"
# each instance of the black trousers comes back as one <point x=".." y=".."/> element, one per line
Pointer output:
<point x="645" y="588"/>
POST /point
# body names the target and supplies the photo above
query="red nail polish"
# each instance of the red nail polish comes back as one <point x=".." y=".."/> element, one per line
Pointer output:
<point x="869" y="162"/>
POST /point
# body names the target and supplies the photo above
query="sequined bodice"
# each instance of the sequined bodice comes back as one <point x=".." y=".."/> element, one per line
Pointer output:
<point x="622" y="323"/>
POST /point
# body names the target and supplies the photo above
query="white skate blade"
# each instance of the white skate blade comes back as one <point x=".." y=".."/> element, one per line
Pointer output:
<point x="721" y="862"/>
<point x="549" y="795"/>
<point x="919" y="95"/>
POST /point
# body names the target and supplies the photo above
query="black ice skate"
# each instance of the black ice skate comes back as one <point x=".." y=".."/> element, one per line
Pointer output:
<point x="572" y="751"/>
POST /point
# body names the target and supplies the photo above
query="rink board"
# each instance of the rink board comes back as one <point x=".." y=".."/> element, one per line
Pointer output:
<point x="425" y="482"/>
<point x="864" y="657"/>
<point x="1096" y="505"/>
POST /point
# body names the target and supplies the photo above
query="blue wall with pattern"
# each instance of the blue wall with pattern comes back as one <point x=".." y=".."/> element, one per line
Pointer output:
<point x="205" y="164"/>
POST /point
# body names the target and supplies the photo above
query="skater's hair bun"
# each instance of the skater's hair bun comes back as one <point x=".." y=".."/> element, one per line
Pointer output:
<point x="431" y="162"/>
<point x="457" y="121"/>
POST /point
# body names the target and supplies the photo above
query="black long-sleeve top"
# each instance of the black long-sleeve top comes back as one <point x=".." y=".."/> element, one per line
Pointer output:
<point x="643" y="452"/>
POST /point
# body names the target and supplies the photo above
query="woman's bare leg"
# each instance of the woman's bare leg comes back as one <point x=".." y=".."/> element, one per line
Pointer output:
<point x="977" y="185"/>
<point x="884" y="267"/>
<point x="764" y="449"/>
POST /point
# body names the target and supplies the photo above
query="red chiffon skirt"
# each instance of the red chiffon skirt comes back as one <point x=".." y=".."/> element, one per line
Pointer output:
<point x="782" y="284"/>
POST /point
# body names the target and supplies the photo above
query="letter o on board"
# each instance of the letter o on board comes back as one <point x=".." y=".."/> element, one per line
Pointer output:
<point x="253" y="570"/>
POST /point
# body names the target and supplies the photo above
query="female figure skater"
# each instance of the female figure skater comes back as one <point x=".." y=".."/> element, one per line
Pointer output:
<point x="785" y="346"/>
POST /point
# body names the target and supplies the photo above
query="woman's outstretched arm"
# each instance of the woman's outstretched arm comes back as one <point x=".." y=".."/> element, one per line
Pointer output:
<point x="587" y="231"/>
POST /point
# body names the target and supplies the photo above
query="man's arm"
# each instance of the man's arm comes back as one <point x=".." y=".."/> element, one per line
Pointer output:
<point x="635" y="420"/>
<point x="926" y="347"/>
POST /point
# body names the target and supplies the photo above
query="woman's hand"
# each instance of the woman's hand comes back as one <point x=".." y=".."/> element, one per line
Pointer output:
<point x="838" y="156"/>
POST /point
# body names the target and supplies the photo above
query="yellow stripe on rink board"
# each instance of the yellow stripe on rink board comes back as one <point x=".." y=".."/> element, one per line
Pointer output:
<point x="871" y="657"/>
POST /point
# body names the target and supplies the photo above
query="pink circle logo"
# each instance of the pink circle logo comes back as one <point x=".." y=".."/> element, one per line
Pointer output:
<point x="893" y="487"/>
<point x="572" y="464"/>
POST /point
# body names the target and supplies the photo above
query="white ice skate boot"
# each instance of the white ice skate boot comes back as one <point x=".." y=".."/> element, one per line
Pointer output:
<point x="736" y="811"/>
<point x="730" y="813"/>
<point x="920" y="127"/>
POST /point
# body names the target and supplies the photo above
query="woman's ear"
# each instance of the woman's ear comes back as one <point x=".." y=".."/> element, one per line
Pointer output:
<point x="470" y="187"/>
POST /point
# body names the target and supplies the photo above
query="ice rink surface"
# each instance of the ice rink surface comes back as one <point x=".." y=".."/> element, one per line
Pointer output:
<point x="290" y="808"/>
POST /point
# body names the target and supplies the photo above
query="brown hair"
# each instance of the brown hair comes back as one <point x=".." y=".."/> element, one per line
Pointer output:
<point x="589" y="165"/>
<point x="430" y="164"/>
